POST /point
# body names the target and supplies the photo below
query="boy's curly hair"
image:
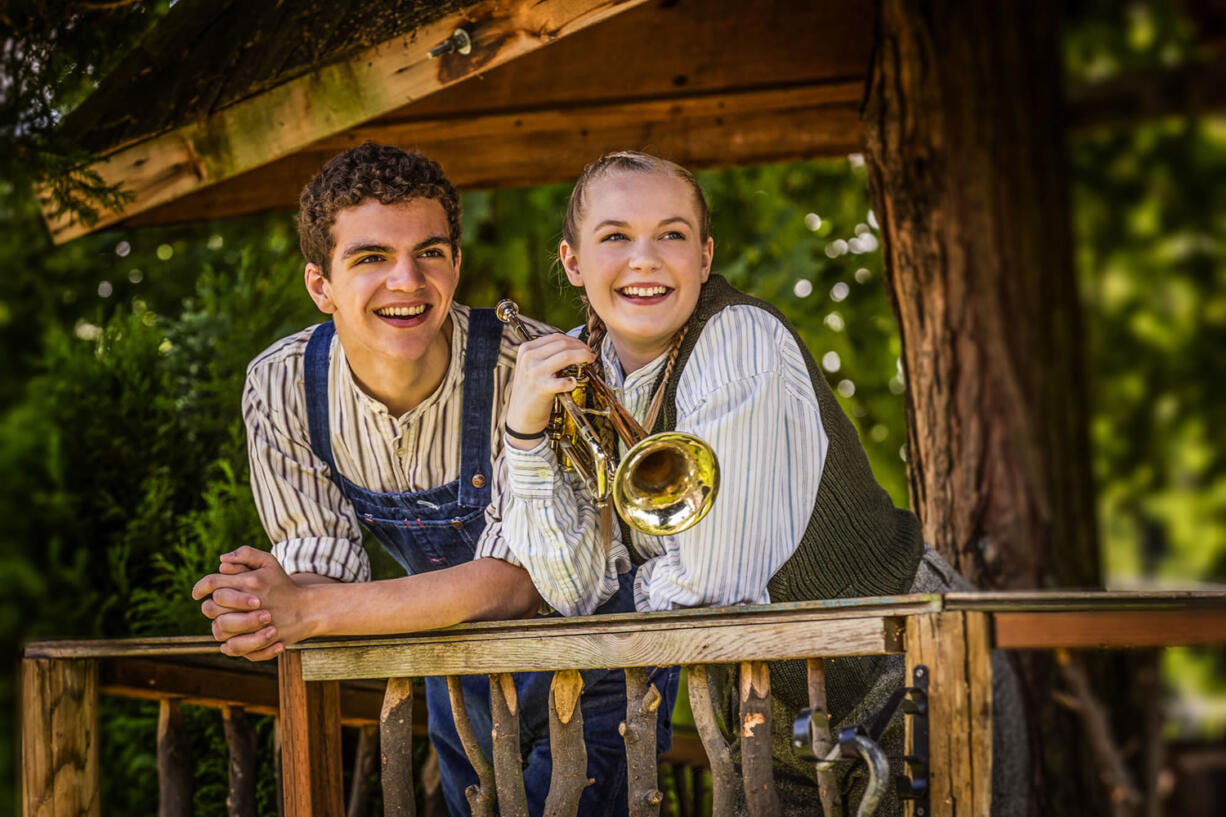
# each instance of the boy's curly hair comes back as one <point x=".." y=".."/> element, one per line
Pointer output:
<point x="384" y="173"/>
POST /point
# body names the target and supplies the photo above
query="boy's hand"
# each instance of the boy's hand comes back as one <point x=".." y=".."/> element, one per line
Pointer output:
<point x="536" y="382"/>
<point x="256" y="608"/>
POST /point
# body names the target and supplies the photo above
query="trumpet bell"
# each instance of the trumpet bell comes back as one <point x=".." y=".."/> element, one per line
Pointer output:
<point x="666" y="483"/>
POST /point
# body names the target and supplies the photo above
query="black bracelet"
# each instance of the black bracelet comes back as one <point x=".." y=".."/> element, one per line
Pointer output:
<point x="519" y="435"/>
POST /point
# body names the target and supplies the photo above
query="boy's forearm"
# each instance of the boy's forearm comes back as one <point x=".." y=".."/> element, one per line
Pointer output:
<point x="483" y="589"/>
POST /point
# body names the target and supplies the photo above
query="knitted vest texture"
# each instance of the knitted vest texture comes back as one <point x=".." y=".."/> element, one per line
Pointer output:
<point x="856" y="543"/>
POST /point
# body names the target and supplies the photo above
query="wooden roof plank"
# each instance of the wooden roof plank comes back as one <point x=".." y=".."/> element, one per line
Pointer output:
<point x="290" y="116"/>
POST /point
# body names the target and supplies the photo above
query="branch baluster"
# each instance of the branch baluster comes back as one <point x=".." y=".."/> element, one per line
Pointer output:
<point x="756" y="763"/>
<point x="723" y="773"/>
<point x="639" y="732"/>
<point x="569" y="777"/>
<point x="508" y="761"/>
<point x="481" y="795"/>
<point x="827" y="780"/>
<point x="396" y="737"/>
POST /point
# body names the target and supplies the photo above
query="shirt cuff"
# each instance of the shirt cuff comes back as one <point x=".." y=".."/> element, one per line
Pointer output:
<point x="531" y="474"/>
<point x="496" y="547"/>
<point x="338" y="559"/>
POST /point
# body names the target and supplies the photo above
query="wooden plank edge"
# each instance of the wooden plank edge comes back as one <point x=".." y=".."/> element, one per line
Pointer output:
<point x="1105" y="629"/>
<point x="546" y="653"/>
<point x="1105" y="600"/>
<point x="374" y="81"/>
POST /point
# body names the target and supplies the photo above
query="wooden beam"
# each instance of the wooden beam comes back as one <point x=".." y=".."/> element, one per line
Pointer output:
<point x="59" y="738"/>
<point x="956" y="651"/>
<point x="1109" y="629"/>
<point x="290" y="116"/>
<point x="636" y="647"/>
<point x="245" y="686"/>
<point x="310" y="743"/>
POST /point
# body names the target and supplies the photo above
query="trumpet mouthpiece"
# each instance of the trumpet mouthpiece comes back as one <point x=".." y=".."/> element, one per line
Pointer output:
<point x="506" y="310"/>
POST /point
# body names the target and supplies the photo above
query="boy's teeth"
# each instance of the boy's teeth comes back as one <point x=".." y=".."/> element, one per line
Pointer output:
<point x="401" y="311"/>
<point x="644" y="292"/>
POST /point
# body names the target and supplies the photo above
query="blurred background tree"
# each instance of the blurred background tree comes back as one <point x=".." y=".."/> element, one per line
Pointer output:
<point x="122" y="456"/>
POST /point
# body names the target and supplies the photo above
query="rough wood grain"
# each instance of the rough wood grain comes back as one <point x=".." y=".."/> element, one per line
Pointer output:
<point x="723" y="774"/>
<point x="363" y="767"/>
<point x="534" y="649"/>
<point x="242" y="745"/>
<point x="956" y="650"/>
<point x="270" y="125"/>
<point x="827" y="779"/>
<point x="755" y="722"/>
<point x="569" y="773"/>
<point x="508" y="762"/>
<point x="59" y="738"/>
<point x="482" y="795"/>
<point x="311" y="771"/>
<point x="639" y="733"/>
<point x="396" y="740"/>
<point x="174" y="752"/>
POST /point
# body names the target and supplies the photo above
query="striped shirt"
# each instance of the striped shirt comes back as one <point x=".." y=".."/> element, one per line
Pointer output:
<point x="312" y="526"/>
<point x="746" y="391"/>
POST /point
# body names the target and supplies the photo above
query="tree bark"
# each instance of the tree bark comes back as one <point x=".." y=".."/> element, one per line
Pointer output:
<point x="967" y="166"/>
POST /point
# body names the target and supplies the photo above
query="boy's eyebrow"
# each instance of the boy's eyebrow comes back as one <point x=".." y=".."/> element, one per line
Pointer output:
<point x="431" y="241"/>
<point x="356" y="249"/>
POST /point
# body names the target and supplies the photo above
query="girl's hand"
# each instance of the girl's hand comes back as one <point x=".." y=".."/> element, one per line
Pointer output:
<point x="536" y="382"/>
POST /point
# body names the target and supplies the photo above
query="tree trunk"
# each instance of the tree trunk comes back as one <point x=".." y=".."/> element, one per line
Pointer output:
<point x="966" y="157"/>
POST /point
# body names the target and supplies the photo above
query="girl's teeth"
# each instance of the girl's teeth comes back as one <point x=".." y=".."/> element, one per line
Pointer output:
<point x="401" y="311"/>
<point x="645" y="292"/>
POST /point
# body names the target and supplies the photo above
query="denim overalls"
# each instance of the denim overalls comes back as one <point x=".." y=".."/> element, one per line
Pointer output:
<point x="439" y="527"/>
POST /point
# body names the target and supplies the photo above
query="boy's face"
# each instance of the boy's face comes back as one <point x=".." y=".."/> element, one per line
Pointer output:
<point x="392" y="280"/>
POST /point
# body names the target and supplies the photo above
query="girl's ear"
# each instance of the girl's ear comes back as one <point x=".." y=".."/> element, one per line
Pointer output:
<point x="570" y="263"/>
<point x="708" y="256"/>
<point x="319" y="288"/>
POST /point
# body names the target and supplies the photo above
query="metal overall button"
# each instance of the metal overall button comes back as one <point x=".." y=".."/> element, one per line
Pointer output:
<point x="478" y="480"/>
<point x="457" y="524"/>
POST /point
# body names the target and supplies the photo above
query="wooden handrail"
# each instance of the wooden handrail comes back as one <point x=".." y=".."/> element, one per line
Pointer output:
<point x="318" y="685"/>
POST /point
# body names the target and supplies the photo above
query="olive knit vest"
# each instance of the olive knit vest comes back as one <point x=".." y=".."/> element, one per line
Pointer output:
<point x="856" y="543"/>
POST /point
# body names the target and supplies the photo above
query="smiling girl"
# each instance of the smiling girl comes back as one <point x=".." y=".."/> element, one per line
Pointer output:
<point x="799" y="515"/>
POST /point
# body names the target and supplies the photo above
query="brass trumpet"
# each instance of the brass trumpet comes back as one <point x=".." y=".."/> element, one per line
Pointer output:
<point x="666" y="482"/>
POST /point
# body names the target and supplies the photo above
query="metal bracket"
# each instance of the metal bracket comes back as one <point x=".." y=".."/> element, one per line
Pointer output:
<point x="913" y="786"/>
<point x="858" y="742"/>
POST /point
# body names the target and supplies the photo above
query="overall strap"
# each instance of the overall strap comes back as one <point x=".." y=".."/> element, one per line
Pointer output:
<point x="315" y="377"/>
<point x="480" y="358"/>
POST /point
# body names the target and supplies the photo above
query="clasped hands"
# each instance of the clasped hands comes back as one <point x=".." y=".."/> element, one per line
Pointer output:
<point x="255" y="607"/>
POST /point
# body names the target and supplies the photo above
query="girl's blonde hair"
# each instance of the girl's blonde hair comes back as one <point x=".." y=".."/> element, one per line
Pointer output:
<point x="630" y="161"/>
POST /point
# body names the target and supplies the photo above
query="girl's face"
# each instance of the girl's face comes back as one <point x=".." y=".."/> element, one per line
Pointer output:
<point x="640" y="259"/>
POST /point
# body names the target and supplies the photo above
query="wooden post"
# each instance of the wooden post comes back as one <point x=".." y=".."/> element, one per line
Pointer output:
<point x="756" y="763"/>
<point x="956" y="649"/>
<point x="175" y="781"/>
<point x="639" y="732"/>
<point x="481" y="795"/>
<point x="363" y="767"/>
<point x="310" y="742"/>
<point x="508" y="762"/>
<point x="396" y="737"/>
<point x="827" y="779"/>
<point x="569" y="774"/>
<point x="243" y="746"/>
<point x="723" y="773"/>
<point x="59" y="738"/>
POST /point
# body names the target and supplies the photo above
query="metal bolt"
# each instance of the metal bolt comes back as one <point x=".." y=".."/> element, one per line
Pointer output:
<point x="460" y="43"/>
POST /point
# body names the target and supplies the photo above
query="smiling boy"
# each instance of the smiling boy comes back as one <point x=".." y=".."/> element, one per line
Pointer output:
<point x="390" y="417"/>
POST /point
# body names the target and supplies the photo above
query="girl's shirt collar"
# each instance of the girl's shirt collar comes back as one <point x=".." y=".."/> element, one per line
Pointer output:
<point x="643" y="378"/>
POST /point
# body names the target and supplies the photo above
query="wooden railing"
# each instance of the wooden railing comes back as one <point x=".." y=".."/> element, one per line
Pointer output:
<point x="318" y="686"/>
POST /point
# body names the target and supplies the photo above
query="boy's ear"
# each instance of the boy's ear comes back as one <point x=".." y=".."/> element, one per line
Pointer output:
<point x="319" y="288"/>
<point x="570" y="263"/>
<point x="708" y="256"/>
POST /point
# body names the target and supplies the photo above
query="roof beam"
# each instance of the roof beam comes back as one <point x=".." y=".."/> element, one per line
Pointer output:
<point x="280" y="121"/>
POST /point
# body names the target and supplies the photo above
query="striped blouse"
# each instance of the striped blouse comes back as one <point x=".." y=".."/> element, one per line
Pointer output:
<point x="746" y="391"/>
<point x="313" y="527"/>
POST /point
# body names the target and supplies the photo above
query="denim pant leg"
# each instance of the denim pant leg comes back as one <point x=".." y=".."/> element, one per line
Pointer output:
<point x="456" y="772"/>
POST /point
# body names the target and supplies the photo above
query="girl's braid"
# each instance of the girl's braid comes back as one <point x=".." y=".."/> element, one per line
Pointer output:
<point x="657" y="399"/>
